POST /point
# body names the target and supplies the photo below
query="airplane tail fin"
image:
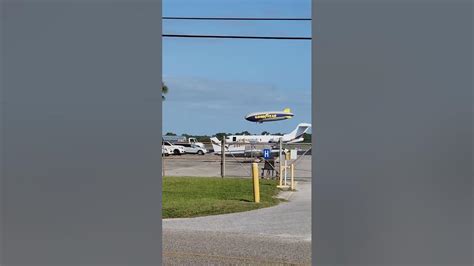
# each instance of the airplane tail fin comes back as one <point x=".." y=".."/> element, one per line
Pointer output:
<point x="216" y="145"/>
<point x="287" y="110"/>
<point x="297" y="133"/>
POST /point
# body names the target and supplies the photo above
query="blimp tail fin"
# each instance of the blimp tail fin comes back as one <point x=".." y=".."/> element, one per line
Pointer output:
<point x="287" y="110"/>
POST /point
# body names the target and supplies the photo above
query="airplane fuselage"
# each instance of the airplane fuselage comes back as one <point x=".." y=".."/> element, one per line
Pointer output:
<point x="252" y="139"/>
<point x="241" y="143"/>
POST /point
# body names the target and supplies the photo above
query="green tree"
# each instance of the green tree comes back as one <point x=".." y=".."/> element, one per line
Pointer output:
<point x="164" y="90"/>
<point x="307" y="138"/>
<point x="243" y="133"/>
<point x="220" y="135"/>
<point x="203" y="138"/>
<point x="170" y="134"/>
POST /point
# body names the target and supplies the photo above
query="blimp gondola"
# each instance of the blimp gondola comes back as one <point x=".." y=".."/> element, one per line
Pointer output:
<point x="269" y="116"/>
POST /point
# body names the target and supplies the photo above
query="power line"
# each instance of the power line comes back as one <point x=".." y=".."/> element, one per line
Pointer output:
<point x="234" y="18"/>
<point x="235" y="37"/>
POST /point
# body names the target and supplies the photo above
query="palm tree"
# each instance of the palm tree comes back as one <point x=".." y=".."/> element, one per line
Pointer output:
<point x="164" y="90"/>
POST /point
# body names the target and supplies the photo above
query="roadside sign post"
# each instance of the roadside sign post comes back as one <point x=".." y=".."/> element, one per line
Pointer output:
<point x="266" y="157"/>
<point x="266" y="154"/>
<point x="293" y="154"/>
<point x="256" y="185"/>
<point x="283" y="164"/>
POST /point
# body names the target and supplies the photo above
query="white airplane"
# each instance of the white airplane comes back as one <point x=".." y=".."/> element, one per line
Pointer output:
<point x="246" y="144"/>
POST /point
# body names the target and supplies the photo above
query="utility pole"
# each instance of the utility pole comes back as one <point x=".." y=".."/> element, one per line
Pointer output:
<point x="223" y="157"/>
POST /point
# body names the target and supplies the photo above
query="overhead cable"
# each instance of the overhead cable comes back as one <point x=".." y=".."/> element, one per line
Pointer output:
<point x="235" y="37"/>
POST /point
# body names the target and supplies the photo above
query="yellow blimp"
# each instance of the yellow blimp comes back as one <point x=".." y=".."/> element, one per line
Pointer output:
<point x="269" y="116"/>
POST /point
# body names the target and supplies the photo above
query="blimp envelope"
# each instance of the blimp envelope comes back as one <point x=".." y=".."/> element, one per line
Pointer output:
<point x="269" y="116"/>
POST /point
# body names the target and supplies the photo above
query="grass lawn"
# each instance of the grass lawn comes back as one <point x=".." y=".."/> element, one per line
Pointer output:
<point x="200" y="196"/>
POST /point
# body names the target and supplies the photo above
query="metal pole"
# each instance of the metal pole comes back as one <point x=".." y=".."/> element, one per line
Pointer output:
<point x="223" y="157"/>
<point x="292" y="176"/>
<point x="279" y="162"/>
<point x="256" y="184"/>
<point x="163" y="165"/>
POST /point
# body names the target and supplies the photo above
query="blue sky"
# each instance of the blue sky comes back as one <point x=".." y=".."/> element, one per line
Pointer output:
<point x="215" y="83"/>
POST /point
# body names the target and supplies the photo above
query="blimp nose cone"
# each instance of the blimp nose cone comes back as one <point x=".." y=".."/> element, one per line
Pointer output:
<point x="250" y="118"/>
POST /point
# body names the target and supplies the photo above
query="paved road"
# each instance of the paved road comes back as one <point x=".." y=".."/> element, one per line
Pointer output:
<point x="276" y="235"/>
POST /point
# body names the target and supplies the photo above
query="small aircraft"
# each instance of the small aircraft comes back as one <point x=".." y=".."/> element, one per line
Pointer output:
<point x="269" y="116"/>
<point x="247" y="144"/>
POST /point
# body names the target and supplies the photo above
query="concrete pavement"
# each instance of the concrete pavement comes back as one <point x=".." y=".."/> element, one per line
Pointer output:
<point x="276" y="235"/>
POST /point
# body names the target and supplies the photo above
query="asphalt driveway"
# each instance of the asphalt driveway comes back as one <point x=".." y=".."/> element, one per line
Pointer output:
<point x="275" y="235"/>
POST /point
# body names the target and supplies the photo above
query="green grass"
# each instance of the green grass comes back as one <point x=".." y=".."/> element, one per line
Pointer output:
<point x="200" y="196"/>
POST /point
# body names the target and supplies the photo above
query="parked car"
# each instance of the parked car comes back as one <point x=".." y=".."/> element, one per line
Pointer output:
<point x="166" y="150"/>
<point x="177" y="149"/>
<point x="194" y="149"/>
